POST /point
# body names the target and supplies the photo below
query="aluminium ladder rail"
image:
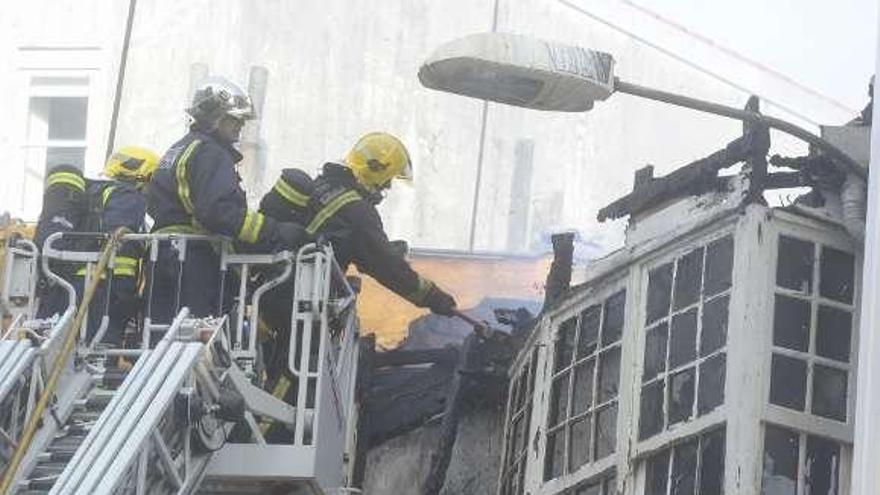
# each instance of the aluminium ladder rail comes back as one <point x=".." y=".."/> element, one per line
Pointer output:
<point x="118" y="453"/>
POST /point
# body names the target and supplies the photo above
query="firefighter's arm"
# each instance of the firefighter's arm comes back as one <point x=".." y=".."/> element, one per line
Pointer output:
<point x="124" y="206"/>
<point x="377" y="256"/>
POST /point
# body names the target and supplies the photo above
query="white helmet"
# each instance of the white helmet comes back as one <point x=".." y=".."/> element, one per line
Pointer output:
<point x="217" y="97"/>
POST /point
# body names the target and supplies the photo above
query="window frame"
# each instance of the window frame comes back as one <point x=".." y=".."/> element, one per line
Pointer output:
<point x="717" y="416"/>
<point x="804" y="421"/>
<point x="603" y="290"/>
<point x="843" y="468"/>
<point x="526" y="368"/>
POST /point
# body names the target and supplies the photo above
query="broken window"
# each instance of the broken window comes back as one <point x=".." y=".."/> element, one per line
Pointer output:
<point x="584" y="389"/>
<point x="688" y="279"/>
<point x="786" y="463"/>
<point x="659" y="289"/>
<point x="836" y="275"/>
<point x="833" y="333"/>
<point x="812" y="351"/>
<point x="791" y="323"/>
<point x="829" y="392"/>
<point x="604" y="484"/>
<point x="719" y="265"/>
<point x="519" y="410"/>
<point x="693" y="467"/>
<point x="788" y="382"/>
<point x="688" y="339"/>
<point x="794" y="268"/>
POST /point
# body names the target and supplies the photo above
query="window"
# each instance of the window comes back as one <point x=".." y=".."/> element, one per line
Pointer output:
<point x="519" y="413"/>
<point x="792" y="459"/>
<point x="686" y="334"/>
<point x="812" y="328"/>
<point x="604" y="484"/>
<point x="57" y="115"/>
<point x="693" y="467"/>
<point x="582" y="416"/>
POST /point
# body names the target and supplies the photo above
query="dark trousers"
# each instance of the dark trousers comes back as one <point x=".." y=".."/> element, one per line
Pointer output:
<point x="195" y="284"/>
<point x="119" y="301"/>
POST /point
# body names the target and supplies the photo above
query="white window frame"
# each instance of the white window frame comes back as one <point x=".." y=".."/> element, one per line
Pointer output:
<point x="77" y="62"/>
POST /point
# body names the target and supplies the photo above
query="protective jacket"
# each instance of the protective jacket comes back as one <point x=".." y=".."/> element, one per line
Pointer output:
<point x="334" y="206"/>
<point x="115" y="204"/>
<point x="64" y="204"/>
<point x="196" y="189"/>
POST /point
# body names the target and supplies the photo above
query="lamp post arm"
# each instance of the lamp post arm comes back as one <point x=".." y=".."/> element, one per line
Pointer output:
<point x="848" y="164"/>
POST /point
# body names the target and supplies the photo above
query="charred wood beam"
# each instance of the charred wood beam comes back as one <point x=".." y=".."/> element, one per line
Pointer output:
<point x="559" y="276"/>
<point x="452" y="415"/>
<point x="757" y="135"/>
<point x="367" y="350"/>
<point x="409" y="357"/>
<point x="694" y="178"/>
<point x="785" y="180"/>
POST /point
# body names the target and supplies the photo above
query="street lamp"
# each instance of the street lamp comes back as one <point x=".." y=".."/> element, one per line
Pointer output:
<point x="525" y="72"/>
<point x="529" y="73"/>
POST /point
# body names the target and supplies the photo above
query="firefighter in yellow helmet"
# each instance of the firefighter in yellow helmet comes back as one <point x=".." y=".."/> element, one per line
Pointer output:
<point x="119" y="202"/>
<point x="340" y="206"/>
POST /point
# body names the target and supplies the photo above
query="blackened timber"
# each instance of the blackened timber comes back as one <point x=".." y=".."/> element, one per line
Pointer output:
<point x="696" y="177"/>
<point x="452" y="414"/>
<point x="559" y="276"/>
<point x="420" y="356"/>
<point x="758" y="136"/>
<point x="367" y="350"/>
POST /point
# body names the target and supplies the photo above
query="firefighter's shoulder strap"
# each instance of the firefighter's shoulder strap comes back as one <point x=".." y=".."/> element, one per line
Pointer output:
<point x="328" y="204"/>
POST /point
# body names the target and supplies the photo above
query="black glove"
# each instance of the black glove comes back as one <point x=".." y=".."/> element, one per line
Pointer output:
<point x="439" y="302"/>
<point x="291" y="236"/>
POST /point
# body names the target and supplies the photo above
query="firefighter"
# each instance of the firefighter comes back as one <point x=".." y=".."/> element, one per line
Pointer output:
<point x="340" y="206"/>
<point x="64" y="210"/>
<point x="119" y="202"/>
<point x="197" y="190"/>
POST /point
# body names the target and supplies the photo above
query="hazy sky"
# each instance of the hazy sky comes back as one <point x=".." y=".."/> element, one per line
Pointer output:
<point x="828" y="45"/>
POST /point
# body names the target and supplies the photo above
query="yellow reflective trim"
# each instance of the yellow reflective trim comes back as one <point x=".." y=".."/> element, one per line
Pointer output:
<point x="330" y="209"/>
<point x="290" y="193"/>
<point x="180" y="175"/>
<point x="251" y="226"/>
<point x="122" y="271"/>
<point x="105" y="194"/>
<point x="418" y="296"/>
<point x="281" y="387"/>
<point x="68" y="178"/>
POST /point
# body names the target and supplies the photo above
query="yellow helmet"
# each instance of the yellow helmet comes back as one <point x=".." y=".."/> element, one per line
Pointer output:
<point x="131" y="162"/>
<point x="377" y="158"/>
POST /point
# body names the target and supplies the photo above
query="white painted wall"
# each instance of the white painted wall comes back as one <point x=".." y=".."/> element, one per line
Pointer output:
<point x="338" y="69"/>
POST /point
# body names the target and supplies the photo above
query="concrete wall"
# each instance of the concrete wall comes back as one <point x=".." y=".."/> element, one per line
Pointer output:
<point x="401" y="464"/>
<point x="338" y="69"/>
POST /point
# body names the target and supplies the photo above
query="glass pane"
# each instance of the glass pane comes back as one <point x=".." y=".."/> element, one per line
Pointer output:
<point x="836" y="275"/>
<point x="582" y="389"/>
<point x="711" y="394"/>
<point x="684" y="469"/>
<point x="688" y="279"/>
<point x="606" y="431"/>
<point x="659" y="289"/>
<point x="565" y="343"/>
<point x="558" y="400"/>
<point x="590" y="319"/>
<point x="681" y="396"/>
<point x="833" y="330"/>
<point x="791" y="323"/>
<point x="683" y="338"/>
<point x="829" y="392"/>
<point x="612" y="328"/>
<point x="658" y="474"/>
<point x="794" y="268"/>
<point x="714" y="335"/>
<point x="780" y="462"/>
<point x="823" y="465"/>
<point x="655" y="352"/>
<point x="57" y="118"/>
<point x="554" y="457"/>
<point x="651" y="409"/>
<point x="579" y="443"/>
<point x="788" y="382"/>
<point x="712" y="463"/>
<point x="594" y="488"/>
<point x="719" y="262"/>
<point x="65" y="156"/>
<point x="609" y="375"/>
